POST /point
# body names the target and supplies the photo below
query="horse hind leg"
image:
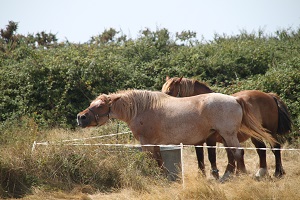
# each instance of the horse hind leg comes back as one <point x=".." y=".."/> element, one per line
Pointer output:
<point x="263" y="171"/>
<point x="233" y="154"/>
<point x="279" y="171"/>
<point x="230" y="168"/>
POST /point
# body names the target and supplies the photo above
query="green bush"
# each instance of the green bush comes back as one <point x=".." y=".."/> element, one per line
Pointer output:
<point x="52" y="82"/>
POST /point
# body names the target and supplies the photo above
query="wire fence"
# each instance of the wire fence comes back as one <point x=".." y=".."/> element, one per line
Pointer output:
<point x="172" y="173"/>
<point x="75" y="143"/>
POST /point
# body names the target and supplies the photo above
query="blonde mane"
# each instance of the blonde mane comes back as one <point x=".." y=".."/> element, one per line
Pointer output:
<point x="133" y="102"/>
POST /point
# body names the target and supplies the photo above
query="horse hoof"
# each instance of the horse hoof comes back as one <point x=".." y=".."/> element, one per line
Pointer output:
<point x="261" y="173"/>
<point x="279" y="174"/>
<point x="215" y="173"/>
<point x="226" y="177"/>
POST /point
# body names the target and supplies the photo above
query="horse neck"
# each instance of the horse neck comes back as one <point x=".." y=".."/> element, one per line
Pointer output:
<point x="117" y="113"/>
<point x="200" y="88"/>
<point x="129" y="105"/>
<point x="119" y="108"/>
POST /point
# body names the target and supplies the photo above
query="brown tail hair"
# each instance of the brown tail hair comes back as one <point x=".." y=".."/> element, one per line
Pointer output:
<point x="251" y="126"/>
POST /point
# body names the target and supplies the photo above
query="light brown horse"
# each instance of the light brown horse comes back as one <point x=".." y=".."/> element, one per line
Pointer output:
<point x="157" y="118"/>
<point x="267" y="108"/>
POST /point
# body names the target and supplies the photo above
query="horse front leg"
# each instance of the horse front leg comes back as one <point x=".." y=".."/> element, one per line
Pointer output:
<point x="155" y="153"/>
<point x="200" y="158"/>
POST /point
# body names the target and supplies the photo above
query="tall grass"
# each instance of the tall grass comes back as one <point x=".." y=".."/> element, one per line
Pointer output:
<point x="239" y="187"/>
<point x="61" y="171"/>
<point x="62" y="166"/>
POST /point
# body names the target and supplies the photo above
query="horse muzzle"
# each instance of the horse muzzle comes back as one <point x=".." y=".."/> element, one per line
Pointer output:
<point x="82" y="120"/>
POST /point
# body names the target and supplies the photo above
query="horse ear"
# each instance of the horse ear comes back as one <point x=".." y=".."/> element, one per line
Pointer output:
<point x="167" y="78"/>
<point x="114" y="98"/>
<point x="179" y="79"/>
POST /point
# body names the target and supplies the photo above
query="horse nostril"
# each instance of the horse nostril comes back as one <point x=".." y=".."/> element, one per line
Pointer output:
<point x="81" y="117"/>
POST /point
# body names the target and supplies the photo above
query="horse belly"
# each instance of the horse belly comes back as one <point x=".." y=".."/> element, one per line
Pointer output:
<point x="187" y="133"/>
<point x="174" y="128"/>
<point x="188" y="127"/>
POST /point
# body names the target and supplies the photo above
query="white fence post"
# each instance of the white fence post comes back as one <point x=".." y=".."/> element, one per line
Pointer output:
<point x="182" y="165"/>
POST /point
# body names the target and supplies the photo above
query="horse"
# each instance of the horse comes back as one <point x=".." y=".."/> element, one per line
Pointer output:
<point x="268" y="108"/>
<point x="159" y="119"/>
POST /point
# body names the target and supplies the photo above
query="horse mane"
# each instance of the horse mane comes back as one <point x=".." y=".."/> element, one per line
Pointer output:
<point x="132" y="102"/>
<point x="187" y="86"/>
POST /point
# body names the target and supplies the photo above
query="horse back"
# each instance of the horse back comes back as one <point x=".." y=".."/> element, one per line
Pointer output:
<point x="216" y="108"/>
<point x="263" y="107"/>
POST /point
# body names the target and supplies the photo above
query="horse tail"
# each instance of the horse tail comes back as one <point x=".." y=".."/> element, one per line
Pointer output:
<point x="251" y="126"/>
<point x="284" y="117"/>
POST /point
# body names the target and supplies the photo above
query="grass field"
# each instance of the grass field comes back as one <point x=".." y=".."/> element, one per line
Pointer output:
<point x="198" y="187"/>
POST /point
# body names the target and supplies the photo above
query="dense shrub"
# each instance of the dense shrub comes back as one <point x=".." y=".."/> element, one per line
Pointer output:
<point x="52" y="82"/>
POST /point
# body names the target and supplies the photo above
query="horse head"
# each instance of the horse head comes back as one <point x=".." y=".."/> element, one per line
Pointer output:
<point x="96" y="114"/>
<point x="172" y="86"/>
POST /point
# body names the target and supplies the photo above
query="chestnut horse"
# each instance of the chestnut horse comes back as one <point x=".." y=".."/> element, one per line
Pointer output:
<point x="157" y="118"/>
<point x="267" y="107"/>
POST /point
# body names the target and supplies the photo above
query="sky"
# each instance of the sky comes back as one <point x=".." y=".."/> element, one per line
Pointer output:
<point x="78" y="20"/>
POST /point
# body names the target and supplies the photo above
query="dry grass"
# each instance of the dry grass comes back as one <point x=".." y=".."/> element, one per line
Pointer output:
<point x="242" y="187"/>
<point x="197" y="187"/>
